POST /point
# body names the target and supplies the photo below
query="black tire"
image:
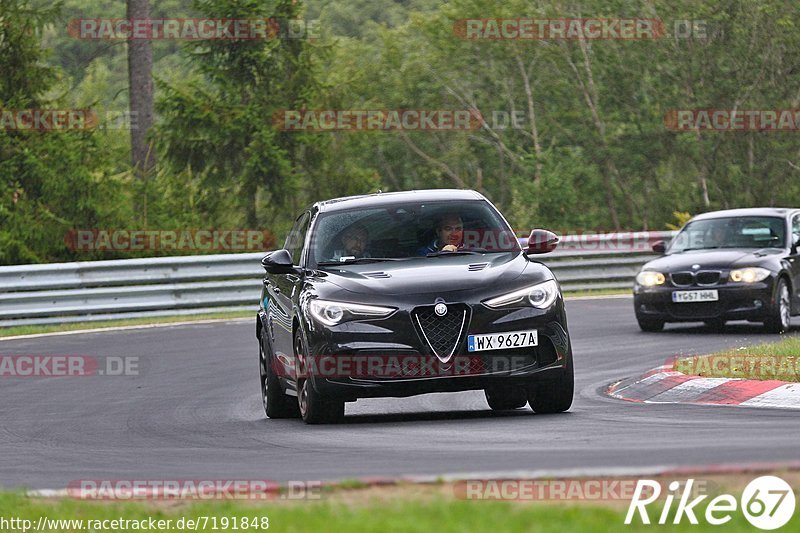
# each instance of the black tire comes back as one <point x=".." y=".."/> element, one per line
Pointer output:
<point x="647" y="324"/>
<point x="554" y="396"/>
<point x="715" y="323"/>
<point x="277" y="404"/>
<point x="779" y="319"/>
<point x="314" y="408"/>
<point x="505" y="399"/>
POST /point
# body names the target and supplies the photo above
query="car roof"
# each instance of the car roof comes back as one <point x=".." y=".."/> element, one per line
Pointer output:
<point x="388" y="198"/>
<point x="748" y="212"/>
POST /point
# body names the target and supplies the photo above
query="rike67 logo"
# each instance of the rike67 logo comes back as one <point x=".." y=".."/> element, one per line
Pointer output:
<point x="767" y="502"/>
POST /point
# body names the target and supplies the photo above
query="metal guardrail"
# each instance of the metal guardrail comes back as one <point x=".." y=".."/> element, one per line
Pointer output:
<point x="102" y="290"/>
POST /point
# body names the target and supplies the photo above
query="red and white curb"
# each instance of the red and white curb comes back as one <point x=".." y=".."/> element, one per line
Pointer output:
<point x="664" y="385"/>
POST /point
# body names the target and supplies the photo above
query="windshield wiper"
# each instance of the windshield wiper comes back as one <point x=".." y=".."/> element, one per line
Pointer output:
<point x="471" y="251"/>
<point x="699" y="248"/>
<point x="355" y="261"/>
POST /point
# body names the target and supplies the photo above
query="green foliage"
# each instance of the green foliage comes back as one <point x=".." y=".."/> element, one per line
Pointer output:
<point x="591" y="151"/>
<point x="681" y="219"/>
<point x="50" y="182"/>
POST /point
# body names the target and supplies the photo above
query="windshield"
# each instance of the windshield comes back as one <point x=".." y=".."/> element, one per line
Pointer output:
<point x="410" y="230"/>
<point x="733" y="232"/>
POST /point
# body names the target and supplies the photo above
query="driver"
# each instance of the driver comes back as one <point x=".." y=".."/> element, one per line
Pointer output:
<point x="717" y="236"/>
<point x="449" y="235"/>
<point x="354" y="243"/>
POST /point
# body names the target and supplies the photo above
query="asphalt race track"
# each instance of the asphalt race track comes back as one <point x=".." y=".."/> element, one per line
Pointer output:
<point x="194" y="412"/>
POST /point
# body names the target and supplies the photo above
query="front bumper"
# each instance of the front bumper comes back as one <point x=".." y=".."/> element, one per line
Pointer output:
<point x="737" y="301"/>
<point x="407" y="366"/>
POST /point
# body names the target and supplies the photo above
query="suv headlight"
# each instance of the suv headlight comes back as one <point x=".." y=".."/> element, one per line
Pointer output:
<point x="331" y="313"/>
<point x="542" y="295"/>
<point x="648" y="278"/>
<point x="749" y="274"/>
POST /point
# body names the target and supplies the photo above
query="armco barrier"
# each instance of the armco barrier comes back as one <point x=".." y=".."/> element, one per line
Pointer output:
<point x="100" y="290"/>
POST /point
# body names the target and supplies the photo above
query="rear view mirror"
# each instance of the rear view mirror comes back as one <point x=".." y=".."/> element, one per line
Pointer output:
<point x="278" y="262"/>
<point x="542" y="241"/>
<point x="659" y="247"/>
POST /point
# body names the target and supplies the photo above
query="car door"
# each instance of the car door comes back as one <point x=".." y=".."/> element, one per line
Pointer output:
<point x="282" y="288"/>
<point x="794" y="259"/>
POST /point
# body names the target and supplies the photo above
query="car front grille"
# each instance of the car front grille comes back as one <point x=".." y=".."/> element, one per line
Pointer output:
<point x="703" y="278"/>
<point x="708" y="277"/>
<point x="682" y="279"/>
<point x="442" y="333"/>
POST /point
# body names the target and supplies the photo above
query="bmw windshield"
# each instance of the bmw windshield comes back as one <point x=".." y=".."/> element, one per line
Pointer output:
<point x="730" y="232"/>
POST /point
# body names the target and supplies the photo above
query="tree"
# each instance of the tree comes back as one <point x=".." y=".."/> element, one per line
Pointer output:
<point x="140" y="88"/>
<point x="50" y="182"/>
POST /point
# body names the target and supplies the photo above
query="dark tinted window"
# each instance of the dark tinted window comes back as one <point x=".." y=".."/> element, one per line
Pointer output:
<point x="296" y="238"/>
<point x="733" y="232"/>
<point x="403" y="230"/>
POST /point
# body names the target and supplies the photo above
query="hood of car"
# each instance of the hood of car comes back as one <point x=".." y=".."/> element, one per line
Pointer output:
<point x="712" y="259"/>
<point x="429" y="274"/>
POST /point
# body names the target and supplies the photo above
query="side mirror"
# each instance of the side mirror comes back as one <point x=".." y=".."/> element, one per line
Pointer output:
<point x="659" y="247"/>
<point x="278" y="262"/>
<point x="542" y="241"/>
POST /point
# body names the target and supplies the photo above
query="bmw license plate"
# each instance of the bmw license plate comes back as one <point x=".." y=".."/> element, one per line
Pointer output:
<point x="503" y="341"/>
<point x="680" y="297"/>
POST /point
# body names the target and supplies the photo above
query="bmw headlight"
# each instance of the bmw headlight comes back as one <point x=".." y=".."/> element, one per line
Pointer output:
<point x="542" y="295"/>
<point x="331" y="313"/>
<point x="648" y="278"/>
<point x="749" y="274"/>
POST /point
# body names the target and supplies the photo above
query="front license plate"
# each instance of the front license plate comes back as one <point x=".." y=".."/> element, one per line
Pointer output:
<point x="502" y="341"/>
<point x="680" y="297"/>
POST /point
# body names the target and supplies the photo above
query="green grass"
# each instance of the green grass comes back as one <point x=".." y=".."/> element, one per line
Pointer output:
<point x="52" y="328"/>
<point x="438" y="514"/>
<point x="776" y="360"/>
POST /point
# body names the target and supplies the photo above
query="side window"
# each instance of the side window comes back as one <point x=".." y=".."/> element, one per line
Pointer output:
<point x="297" y="237"/>
<point x="795" y="229"/>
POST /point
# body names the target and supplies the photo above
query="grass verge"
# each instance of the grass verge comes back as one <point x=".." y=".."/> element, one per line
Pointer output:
<point x="436" y="514"/>
<point x="53" y="328"/>
<point x="769" y="361"/>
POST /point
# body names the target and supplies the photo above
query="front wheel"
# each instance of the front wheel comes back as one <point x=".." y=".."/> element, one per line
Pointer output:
<point x="779" y="320"/>
<point x="554" y="396"/>
<point x="314" y="407"/>
<point x="276" y="403"/>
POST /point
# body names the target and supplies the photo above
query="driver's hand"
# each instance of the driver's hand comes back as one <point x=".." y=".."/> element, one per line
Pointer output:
<point x="450" y="248"/>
